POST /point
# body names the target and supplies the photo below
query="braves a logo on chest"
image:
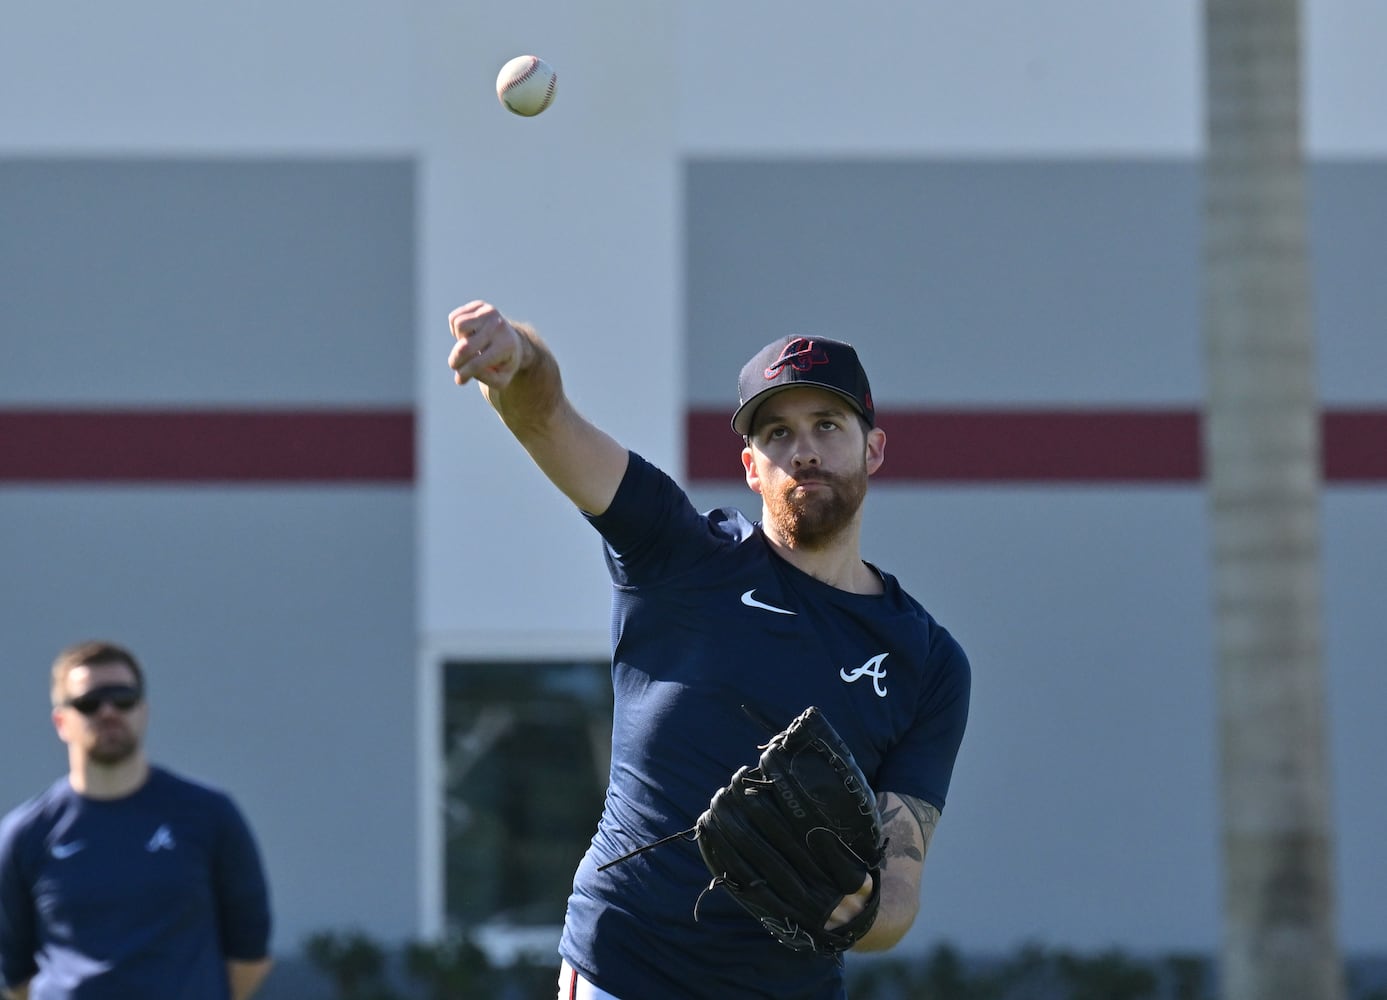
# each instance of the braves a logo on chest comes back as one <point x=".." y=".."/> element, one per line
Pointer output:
<point x="162" y="840"/>
<point x="872" y="668"/>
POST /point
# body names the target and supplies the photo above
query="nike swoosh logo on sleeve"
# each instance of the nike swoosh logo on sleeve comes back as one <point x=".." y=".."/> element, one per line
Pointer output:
<point x="751" y="602"/>
<point x="61" y="851"/>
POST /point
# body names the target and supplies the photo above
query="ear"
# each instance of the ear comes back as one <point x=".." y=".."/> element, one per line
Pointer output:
<point x="753" y="477"/>
<point x="876" y="449"/>
<point x="60" y="723"/>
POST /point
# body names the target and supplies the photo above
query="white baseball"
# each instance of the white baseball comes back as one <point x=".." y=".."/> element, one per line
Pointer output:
<point x="526" y="85"/>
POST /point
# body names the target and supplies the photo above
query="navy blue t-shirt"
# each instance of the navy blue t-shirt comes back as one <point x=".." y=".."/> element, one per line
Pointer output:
<point x="707" y="618"/>
<point x="144" y="896"/>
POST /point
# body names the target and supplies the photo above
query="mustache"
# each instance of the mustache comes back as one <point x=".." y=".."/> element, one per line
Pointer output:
<point x="789" y="490"/>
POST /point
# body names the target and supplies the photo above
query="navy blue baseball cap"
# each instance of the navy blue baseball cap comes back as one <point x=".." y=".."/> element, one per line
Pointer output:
<point x="794" y="360"/>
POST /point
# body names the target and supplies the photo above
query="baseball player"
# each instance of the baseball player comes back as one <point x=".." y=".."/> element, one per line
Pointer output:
<point x="720" y="620"/>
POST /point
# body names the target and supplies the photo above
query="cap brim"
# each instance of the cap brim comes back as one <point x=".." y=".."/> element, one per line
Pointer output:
<point x="745" y="414"/>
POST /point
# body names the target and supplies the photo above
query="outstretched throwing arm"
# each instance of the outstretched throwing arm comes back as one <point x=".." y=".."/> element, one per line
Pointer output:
<point x="520" y="378"/>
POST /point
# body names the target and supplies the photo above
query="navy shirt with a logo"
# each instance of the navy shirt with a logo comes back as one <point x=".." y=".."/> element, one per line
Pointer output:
<point x="705" y="619"/>
<point x="145" y="896"/>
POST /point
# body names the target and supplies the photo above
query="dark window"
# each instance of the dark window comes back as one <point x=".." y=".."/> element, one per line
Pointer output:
<point x="527" y="747"/>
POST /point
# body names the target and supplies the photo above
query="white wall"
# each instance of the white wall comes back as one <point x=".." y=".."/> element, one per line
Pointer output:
<point x="158" y="76"/>
<point x="995" y="78"/>
<point x="567" y="220"/>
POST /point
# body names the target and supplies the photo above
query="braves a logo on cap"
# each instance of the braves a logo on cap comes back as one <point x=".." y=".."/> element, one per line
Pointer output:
<point x="801" y="354"/>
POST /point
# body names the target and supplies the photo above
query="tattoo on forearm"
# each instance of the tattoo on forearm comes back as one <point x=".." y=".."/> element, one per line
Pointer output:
<point x="926" y="818"/>
<point x="925" y="814"/>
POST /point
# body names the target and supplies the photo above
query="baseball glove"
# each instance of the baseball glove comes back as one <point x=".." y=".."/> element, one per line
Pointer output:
<point x="790" y="837"/>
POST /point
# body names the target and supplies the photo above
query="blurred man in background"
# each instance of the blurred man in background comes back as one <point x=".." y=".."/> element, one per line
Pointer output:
<point x="123" y="880"/>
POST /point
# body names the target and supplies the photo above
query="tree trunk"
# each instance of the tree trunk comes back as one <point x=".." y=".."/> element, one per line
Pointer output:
<point x="1262" y="451"/>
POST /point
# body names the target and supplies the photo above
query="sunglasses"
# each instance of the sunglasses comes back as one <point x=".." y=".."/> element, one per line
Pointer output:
<point x="120" y="696"/>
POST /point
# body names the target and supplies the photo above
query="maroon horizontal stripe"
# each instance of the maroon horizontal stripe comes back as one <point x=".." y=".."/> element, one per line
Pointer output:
<point x="306" y="446"/>
<point x="1355" y="446"/>
<point x="1052" y="446"/>
<point x="189" y="446"/>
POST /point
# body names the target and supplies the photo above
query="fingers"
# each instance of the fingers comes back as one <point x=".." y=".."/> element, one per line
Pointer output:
<point x="462" y="359"/>
<point x="850" y="906"/>
<point x="486" y="347"/>
<point x="465" y="319"/>
<point x="469" y="324"/>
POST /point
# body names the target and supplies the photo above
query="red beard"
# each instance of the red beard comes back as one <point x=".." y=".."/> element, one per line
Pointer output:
<point x="814" y="519"/>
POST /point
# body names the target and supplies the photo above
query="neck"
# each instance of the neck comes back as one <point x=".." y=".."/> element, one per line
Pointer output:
<point x="107" y="781"/>
<point x="837" y="562"/>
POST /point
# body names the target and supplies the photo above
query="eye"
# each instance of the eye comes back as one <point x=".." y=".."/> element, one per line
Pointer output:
<point x="828" y="424"/>
<point x="776" y="433"/>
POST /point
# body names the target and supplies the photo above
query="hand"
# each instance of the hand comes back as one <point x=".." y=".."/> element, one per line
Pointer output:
<point x="850" y="906"/>
<point x="488" y="347"/>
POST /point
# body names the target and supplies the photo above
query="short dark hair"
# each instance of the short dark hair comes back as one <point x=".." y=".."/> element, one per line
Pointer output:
<point x="92" y="653"/>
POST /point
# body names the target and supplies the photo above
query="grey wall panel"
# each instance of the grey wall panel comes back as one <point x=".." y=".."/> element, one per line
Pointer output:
<point x="1004" y="282"/>
<point x="1083" y="612"/>
<point x="206" y="282"/>
<point x="1348" y="244"/>
<point x="960" y="281"/>
<point x="1355" y="656"/>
